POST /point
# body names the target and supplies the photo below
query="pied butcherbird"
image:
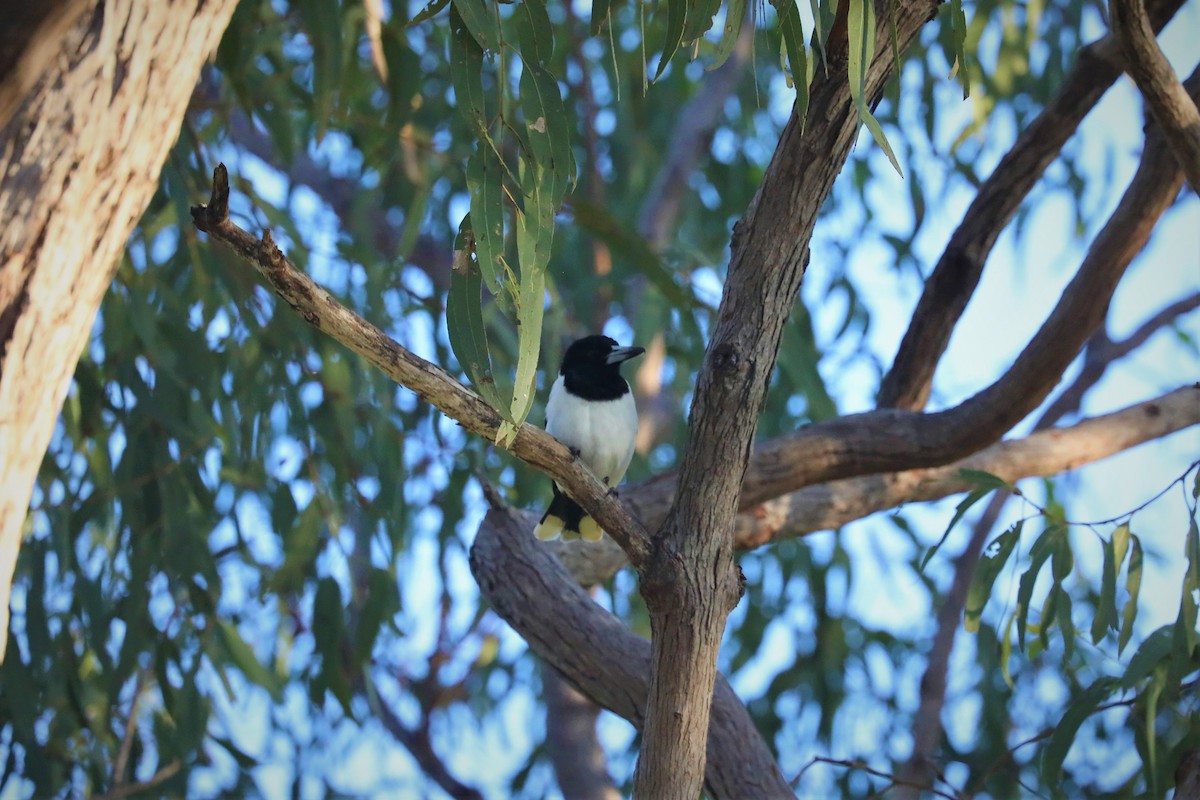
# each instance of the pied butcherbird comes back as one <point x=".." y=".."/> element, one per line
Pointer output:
<point x="591" y="411"/>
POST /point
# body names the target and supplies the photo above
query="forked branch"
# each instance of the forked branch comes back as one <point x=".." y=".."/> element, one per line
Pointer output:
<point x="1166" y="98"/>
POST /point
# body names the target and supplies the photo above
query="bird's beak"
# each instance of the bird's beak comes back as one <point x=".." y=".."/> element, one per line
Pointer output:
<point x="624" y="354"/>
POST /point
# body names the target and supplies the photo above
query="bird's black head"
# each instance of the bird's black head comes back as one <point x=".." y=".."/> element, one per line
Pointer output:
<point x="591" y="367"/>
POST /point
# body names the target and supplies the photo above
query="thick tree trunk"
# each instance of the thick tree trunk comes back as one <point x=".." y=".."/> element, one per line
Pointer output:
<point x="93" y="95"/>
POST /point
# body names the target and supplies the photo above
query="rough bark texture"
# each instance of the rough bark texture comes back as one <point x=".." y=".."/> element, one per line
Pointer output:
<point x="534" y="593"/>
<point x="691" y="583"/>
<point x="80" y="154"/>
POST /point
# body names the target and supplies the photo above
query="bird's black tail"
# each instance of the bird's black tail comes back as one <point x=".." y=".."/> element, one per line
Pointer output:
<point x="564" y="516"/>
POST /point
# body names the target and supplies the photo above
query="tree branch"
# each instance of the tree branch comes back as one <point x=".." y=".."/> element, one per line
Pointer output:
<point x="954" y="279"/>
<point x="431" y="383"/>
<point x="534" y="593"/>
<point x="887" y="440"/>
<point x="418" y="744"/>
<point x="1100" y="354"/>
<point x="571" y="741"/>
<point x="1166" y="98"/>
<point x="1048" y="452"/>
<point x="691" y="584"/>
<point x="837" y="503"/>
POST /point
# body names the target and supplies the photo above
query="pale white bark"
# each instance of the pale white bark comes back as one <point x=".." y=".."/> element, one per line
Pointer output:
<point x="79" y="160"/>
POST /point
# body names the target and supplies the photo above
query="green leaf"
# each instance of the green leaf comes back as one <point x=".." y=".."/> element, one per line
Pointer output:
<point x="480" y="20"/>
<point x="985" y="480"/>
<point x="1133" y="585"/>
<point x="958" y="35"/>
<point x="428" y="12"/>
<point x="1185" y="624"/>
<point x="536" y="35"/>
<point x="1006" y="650"/>
<point x="533" y="233"/>
<point x="1106" y="607"/>
<point x="601" y="9"/>
<point x="1149" y="655"/>
<point x="735" y="15"/>
<point x="989" y="567"/>
<point x="1041" y="550"/>
<point x="861" y="30"/>
<point x="328" y="627"/>
<point x="676" y="17"/>
<point x="793" y="42"/>
<point x="548" y="133"/>
<point x="700" y="15"/>
<point x="380" y="603"/>
<point x="1151" y="695"/>
<point x="243" y="657"/>
<point x="301" y="542"/>
<point x="466" y="74"/>
<point x="465" y="326"/>
<point x="1065" y="732"/>
<point x="323" y="23"/>
<point x="1066" y="622"/>
<point x="963" y="506"/>
<point x="485" y="180"/>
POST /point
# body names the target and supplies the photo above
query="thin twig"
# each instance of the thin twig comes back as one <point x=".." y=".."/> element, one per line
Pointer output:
<point x="164" y="773"/>
<point x="130" y="731"/>
<point x="858" y="765"/>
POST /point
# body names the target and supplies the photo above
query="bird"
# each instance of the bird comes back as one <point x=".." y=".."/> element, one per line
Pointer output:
<point x="591" y="411"/>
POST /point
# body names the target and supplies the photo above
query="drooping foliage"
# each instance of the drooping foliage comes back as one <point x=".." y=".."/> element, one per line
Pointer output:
<point x="245" y="563"/>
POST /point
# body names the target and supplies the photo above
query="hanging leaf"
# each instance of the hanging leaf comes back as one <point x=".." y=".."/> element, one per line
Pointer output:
<point x="324" y="26"/>
<point x="479" y="17"/>
<point x="1106" y="607"/>
<point x="536" y="35"/>
<point x="700" y="15"/>
<point x="735" y="15"/>
<point x="464" y="321"/>
<point x="428" y="12"/>
<point x="485" y="176"/>
<point x="860" y="23"/>
<point x="1133" y="585"/>
<point x="466" y="74"/>
<point x="989" y="567"/>
<point x="676" y="17"/>
<point x="963" y="507"/>
<point x="601" y="9"/>
<point x="1067" y="728"/>
<point x="1041" y="550"/>
<point x="793" y="44"/>
<point x="986" y="480"/>
<point x="242" y="656"/>
<point x="1185" y="624"/>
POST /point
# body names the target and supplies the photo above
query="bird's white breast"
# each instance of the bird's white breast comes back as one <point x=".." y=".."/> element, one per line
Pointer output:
<point x="603" y="431"/>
